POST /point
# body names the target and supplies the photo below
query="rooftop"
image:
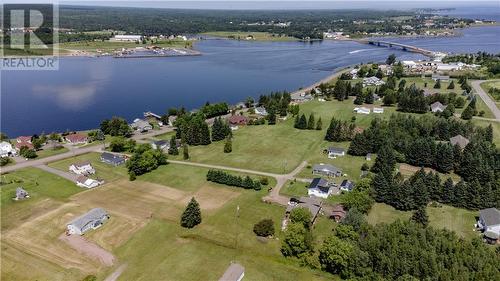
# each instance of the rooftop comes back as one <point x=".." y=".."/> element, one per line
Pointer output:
<point x="490" y="216"/>
<point x="90" y="216"/>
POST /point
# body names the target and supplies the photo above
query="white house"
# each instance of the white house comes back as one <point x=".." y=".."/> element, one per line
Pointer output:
<point x="346" y="185"/>
<point x="129" y="38"/>
<point x="83" y="181"/>
<point x="83" y="168"/>
<point x="372" y="81"/>
<point x="319" y="187"/>
<point x="6" y="149"/>
<point x="261" y="111"/>
<point x="409" y="64"/>
<point x="333" y="152"/>
<point x="141" y="125"/>
<point x="489" y="222"/>
<point x="362" y="110"/>
<point x="437" y="107"/>
<point x="378" y="110"/>
<point x="95" y="218"/>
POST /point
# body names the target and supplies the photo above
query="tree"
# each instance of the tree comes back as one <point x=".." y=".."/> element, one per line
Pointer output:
<point x="3" y="137"/>
<point x="297" y="241"/>
<point x="438" y="84"/>
<point x="319" y="125"/>
<point x="360" y="200"/>
<point x="310" y="123"/>
<point x="391" y="59"/>
<point x="369" y="99"/>
<point x="469" y="111"/>
<point x="228" y="145"/>
<point x="420" y="216"/>
<point x="27" y="152"/>
<point x="118" y="144"/>
<point x="302" y="123"/>
<point x="301" y="215"/>
<point x="360" y="98"/>
<point x="451" y="86"/>
<point x="185" y="151"/>
<point x="379" y="74"/>
<point x="173" y="150"/>
<point x="116" y="127"/>
<point x="191" y="216"/>
<point x="354" y="218"/>
<point x="335" y="255"/>
<point x="264" y="228"/>
<point x="398" y="70"/>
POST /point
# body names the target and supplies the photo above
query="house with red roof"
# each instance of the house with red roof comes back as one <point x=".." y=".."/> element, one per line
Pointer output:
<point x="237" y="120"/>
<point x="23" y="139"/>
<point x="77" y="138"/>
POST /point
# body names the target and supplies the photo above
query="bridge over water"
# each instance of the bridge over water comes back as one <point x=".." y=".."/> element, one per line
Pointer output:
<point x="404" y="47"/>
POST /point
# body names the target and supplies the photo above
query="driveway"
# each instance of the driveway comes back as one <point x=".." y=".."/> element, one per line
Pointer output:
<point x="67" y="175"/>
<point x="490" y="103"/>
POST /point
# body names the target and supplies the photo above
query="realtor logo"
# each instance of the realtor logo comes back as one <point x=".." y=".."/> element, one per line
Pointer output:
<point x="30" y="32"/>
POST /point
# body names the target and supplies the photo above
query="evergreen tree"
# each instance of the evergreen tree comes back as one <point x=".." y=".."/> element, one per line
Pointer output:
<point x="302" y="122"/>
<point x="469" y="111"/>
<point x="172" y="150"/>
<point x="359" y="99"/>
<point x="369" y="99"/>
<point x="438" y="84"/>
<point x="205" y="134"/>
<point x="448" y="192"/>
<point x="310" y="123"/>
<point x="185" y="152"/>
<point x="191" y="216"/>
<point x="451" y="86"/>
<point x="444" y="158"/>
<point x="228" y="146"/>
<point x="379" y="74"/>
<point x="385" y="161"/>
<point x="296" y="122"/>
<point x="420" y="216"/>
<point x="271" y="118"/>
<point x="319" y="125"/>
<point x="391" y="59"/>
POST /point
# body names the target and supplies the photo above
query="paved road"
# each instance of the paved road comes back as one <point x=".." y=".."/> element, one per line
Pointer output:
<point x="490" y="103"/>
<point x="74" y="151"/>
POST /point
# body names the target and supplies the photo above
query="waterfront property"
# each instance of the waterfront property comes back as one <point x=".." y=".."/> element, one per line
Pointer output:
<point x="141" y="125"/>
<point x="6" y="149"/>
<point x="372" y="81"/>
<point x="93" y="219"/>
<point x="459" y="140"/>
<point x="128" y="38"/>
<point x="326" y="170"/>
<point x="112" y="159"/>
<point x="237" y="120"/>
<point x="333" y="152"/>
<point x="76" y="138"/>
<point x="320" y="187"/>
<point x="82" y="168"/>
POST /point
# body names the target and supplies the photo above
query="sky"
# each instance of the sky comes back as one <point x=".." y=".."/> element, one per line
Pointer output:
<point x="278" y="4"/>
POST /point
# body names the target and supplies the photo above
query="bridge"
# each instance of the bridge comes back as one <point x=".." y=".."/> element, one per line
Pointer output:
<point x="404" y="47"/>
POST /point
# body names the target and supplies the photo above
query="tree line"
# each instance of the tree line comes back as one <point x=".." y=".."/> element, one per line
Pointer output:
<point x="232" y="180"/>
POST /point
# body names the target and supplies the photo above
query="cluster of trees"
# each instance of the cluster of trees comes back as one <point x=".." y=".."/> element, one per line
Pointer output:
<point x="231" y="180"/>
<point x="405" y="251"/>
<point x="144" y="160"/>
<point x="275" y="104"/>
<point x="470" y="110"/>
<point x="264" y="228"/>
<point x="116" y="126"/>
<point x="220" y="129"/>
<point x="191" y="216"/>
<point x="193" y="129"/>
<point x="302" y="123"/>
<point x="413" y="100"/>
<point x="339" y="130"/>
<point x="213" y="110"/>
<point x="121" y="144"/>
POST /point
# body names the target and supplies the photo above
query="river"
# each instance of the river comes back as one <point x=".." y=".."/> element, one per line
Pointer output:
<point x="85" y="91"/>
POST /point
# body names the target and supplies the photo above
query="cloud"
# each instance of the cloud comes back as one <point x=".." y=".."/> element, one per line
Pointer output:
<point x="70" y="97"/>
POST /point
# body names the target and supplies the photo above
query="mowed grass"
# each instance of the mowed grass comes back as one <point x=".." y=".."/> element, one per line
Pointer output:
<point x="110" y="46"/>
<point x="45" y="190"/>
<point x="492" y="84"/>
<point x="280" y="148"/>
<point x="294" y="188"/>
<point x="103" y="170"/>
<point x="257" y="36"/>
<point x="51" y="152"/>
<point x="481" y="106"/>
<point x="455" y="219"/>
<point x="495" y="126"/>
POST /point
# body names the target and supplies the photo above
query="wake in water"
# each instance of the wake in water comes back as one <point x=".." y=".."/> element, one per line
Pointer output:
<point x="358" y="51"/>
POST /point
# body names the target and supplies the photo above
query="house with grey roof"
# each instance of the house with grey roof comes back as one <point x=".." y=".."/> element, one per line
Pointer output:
<point x="82" y="168"/>
<point x="437" y="107"/>
<point x="320" y="187"/>
<point x="141" y="125"/>
<point x="235" y="272"/>
<point x="326" y="170"/>
<point x="333" y="152"/>
<point x="21" y="194"/>
<point x="261" y="111"/>
<point x="459" y="140"/>
<point x="160" y="144"/>
<point x="346" y="185"/>
<point x="112" y="159"/>
<point x="489" y="223"/>
<point x="93" y="219"/>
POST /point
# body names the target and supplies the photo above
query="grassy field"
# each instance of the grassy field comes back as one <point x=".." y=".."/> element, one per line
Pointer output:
<point x="257" y="36"/>
<point x="459" y="220"/>
<point x="294" y="188"/>
<point x="496" y="129"/>
<point x="481" y="106"/>
<point x="110" y="46"/>
<point x="492" y="84"/>
<point x="50" y="152"/>
<point x="281" y="148"/>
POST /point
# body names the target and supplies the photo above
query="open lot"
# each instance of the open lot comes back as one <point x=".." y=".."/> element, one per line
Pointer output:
<point x="492" y="84"/>
<point x="258" y="36"/>
<point x="459" y="220"/>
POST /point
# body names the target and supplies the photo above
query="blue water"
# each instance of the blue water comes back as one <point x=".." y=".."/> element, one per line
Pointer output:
<point x="86" y="90"/>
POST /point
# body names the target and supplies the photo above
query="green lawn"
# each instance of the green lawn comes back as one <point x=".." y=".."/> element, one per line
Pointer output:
<point x="40" y="185"/>
<point x="420" y="83"/>
<point x="496" y="129"/>
<point x="492" y="84"/>
<point x="110" y="46"/>
<point x="294" y="188"/>
<point x="459" y="220"/>
<point x="103" y="170"/>
<point x="50" y="152"/>
<point x="481" y="106"/>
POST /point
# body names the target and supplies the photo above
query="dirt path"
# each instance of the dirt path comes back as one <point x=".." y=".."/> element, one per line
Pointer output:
<point x="89" y="249"/>
<point x="62" y="174"/>
<point x="490" y="103"/>
<point x="114" y="276"/>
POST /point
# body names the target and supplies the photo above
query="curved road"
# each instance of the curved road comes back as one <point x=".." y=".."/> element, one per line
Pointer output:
<point x="490" y="103"/>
